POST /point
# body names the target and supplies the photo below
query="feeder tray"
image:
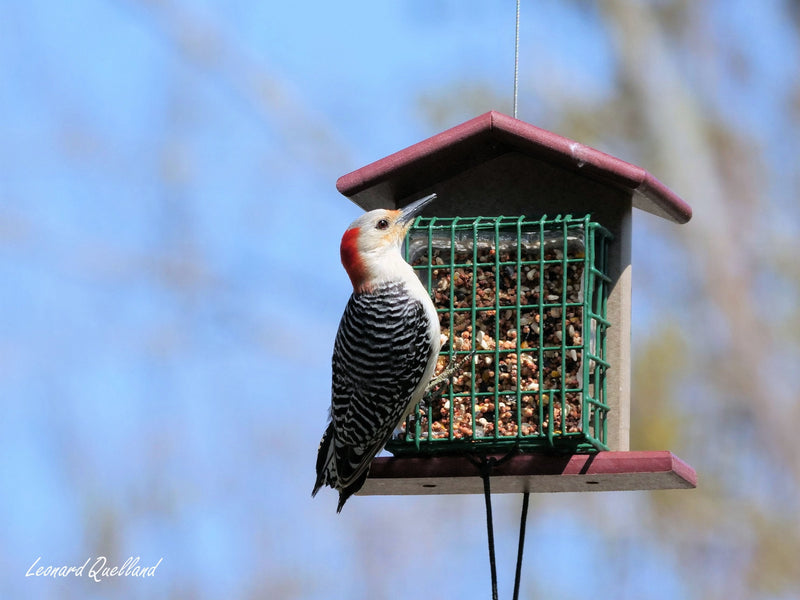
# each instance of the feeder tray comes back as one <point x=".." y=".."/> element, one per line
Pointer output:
<point x="535" y="473"/>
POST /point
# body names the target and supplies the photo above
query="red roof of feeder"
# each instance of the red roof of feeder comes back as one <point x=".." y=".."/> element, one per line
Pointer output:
<point x="490" y="135"/>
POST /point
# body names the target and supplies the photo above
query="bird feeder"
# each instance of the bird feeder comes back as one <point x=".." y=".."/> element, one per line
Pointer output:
<point x="527" y="255"/>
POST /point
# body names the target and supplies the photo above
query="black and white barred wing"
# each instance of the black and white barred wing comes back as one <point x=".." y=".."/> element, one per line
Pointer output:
<point x="381" y="353"/>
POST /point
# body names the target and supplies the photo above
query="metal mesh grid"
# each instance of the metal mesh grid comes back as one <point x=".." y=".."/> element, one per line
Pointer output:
<point x="528" y="297"/>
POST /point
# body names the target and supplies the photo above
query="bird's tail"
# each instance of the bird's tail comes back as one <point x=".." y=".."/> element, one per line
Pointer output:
<point x="326" y="461"/>
<point x="351" y="489"/>
<point x="327" y="467"/>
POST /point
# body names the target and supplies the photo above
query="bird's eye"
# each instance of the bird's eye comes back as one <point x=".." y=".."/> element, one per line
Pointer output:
<point x="382" y="224"/>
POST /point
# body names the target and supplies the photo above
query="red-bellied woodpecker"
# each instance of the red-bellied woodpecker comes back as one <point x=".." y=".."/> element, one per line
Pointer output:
<point x="385" y="350"/>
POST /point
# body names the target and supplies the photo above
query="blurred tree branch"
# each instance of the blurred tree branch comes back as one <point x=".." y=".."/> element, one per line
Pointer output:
<point x="729" y="248"/>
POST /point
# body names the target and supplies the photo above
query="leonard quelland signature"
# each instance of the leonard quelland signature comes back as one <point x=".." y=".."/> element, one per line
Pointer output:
<point x="95" y="568"/>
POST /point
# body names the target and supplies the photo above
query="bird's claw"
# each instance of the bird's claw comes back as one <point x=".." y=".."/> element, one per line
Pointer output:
<point x="452" y="367"/>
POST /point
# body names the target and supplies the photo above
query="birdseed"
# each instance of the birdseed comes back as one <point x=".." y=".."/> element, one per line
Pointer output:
<point x="522" y="317"/>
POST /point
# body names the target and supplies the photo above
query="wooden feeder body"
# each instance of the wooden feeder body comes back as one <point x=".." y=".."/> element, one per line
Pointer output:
<point x="495" y="165"/>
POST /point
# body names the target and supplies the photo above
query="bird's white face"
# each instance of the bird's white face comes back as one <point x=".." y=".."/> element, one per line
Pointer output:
<point x="379" y="229"/>
<point x="370" y="247"/>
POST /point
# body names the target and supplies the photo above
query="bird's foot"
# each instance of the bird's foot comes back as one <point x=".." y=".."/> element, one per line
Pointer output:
<point x="451" y="369"/>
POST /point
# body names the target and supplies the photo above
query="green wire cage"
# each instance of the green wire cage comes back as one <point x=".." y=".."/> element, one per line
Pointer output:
<point x="526" y="299"/>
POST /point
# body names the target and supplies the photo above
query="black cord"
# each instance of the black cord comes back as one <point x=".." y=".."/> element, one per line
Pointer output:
<point x="522" y="522"/>
<point x="486" y="465"/>
<point x="486" y="471"/>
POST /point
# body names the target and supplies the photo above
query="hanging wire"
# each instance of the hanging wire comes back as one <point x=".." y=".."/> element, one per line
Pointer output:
<point x="516" y="61"/>
<point x="486" y="465"/>
<point x="522" y="522"/>
<point x="487" y="495"/>
<point x="526" y="495"/>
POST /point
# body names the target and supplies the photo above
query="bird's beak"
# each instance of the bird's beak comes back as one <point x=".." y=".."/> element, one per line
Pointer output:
<point x="407" y="213"/>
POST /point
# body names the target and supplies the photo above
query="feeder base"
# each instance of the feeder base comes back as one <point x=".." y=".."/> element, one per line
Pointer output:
<point x="598" y="472"/>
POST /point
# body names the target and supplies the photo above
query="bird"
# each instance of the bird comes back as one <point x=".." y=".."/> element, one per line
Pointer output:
<point x="385" y="350"/>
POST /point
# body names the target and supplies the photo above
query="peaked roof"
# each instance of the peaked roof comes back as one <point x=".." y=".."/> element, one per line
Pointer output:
<point x="490" y="135"/>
